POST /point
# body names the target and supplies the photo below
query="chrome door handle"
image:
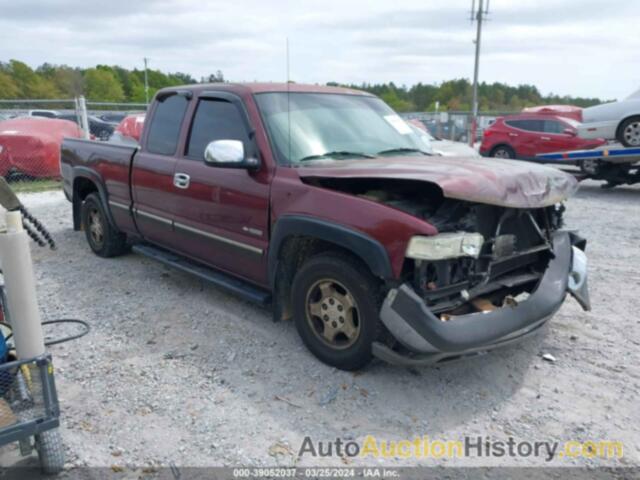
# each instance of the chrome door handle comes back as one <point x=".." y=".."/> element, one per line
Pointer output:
<point x="513" y="134"/>
<point x="545" y="138"/>
<point x="181" y="180"/>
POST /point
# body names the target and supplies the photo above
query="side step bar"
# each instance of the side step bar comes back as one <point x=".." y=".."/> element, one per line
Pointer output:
<point x="220" y="279"/>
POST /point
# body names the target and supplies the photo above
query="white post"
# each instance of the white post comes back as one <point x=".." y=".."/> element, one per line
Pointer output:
<point x="84" y="120"/>
<point x="20" y="288"/>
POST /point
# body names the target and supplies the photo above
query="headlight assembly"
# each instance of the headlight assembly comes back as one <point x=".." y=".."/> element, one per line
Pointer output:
<point x="445" y="245"/>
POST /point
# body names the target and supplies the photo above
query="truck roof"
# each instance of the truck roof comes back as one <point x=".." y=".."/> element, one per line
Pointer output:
<point x="266" y="87"/>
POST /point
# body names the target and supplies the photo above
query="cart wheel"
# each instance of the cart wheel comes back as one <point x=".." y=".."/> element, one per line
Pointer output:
<point x="50" y="451"/>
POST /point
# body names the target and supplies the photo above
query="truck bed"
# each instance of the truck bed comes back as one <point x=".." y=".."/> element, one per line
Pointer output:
<point x="89" y="157"/>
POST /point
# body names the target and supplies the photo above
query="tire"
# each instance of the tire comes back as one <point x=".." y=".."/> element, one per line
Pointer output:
<point x="590" y="167"/>
<point x="102" y="238"/>
<point x="503" y="151"/>
<point x="50" y="451"/>
<point x="629" y="132"/>
<point x="344" y="299"/>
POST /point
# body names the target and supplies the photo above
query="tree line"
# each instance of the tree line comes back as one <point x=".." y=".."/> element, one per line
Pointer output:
<point x="457" y="95"/>
<point x="102" y="83"/>
<point x="116" y="84"/>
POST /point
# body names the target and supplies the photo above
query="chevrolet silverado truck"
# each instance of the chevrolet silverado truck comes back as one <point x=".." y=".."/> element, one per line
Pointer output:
<point x="320" y="202"/>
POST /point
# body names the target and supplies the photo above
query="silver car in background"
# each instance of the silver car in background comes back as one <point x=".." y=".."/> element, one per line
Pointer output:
<point x="614" y="121"/>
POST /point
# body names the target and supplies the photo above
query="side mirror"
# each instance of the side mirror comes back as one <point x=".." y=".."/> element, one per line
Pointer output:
<point x="228" y="154"/>
<point x="570" y="131"/>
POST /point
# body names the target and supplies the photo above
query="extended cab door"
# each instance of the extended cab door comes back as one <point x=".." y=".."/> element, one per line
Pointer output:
<point x="222" y="214"/>
<point x="152" y="177"/>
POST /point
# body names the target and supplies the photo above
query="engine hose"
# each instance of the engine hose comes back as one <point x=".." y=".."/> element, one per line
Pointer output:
<point x="57" y="341"/>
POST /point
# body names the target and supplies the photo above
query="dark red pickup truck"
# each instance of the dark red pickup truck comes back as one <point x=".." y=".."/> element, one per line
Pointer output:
<point x="321" y="202"/>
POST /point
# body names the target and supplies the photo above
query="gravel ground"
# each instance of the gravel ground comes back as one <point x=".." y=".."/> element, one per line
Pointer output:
<point x="178" y="372"/>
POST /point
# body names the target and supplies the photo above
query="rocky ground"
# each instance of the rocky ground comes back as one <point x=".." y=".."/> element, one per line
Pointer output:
<point x="178" y="372"/>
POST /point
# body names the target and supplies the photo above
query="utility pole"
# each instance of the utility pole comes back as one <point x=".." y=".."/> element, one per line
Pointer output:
<point x="146" y="82"/>
<point x="477" y="16"/>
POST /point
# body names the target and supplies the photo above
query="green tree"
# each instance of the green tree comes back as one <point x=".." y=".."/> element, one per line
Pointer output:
<point x="394" y="101"/>
<point x="30" y="84"/>
<point x="102" y="85"/>
<point x="69" y="81"/>
<point x="8" y="88"/>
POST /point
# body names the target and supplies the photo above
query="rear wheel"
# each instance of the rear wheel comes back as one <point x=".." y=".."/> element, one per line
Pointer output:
<point x="103" y="239"/>
<point x="629" y="132"/>
<point x="503" y="151"/>
<point x="335" y="309"/>
<point x="590" y="166"/>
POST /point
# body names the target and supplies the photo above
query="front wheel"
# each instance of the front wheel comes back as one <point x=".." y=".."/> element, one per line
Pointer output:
<point x="335" y="309"/>
<point x="629" y="133"/>
<point x="50" y="451"/>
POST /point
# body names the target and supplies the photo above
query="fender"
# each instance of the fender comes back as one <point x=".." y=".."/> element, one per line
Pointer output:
<point x="360" y="244"/>
<point x="89" y="174"/>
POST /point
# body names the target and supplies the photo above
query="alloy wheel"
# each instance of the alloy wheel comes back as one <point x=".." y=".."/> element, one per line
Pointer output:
<point x="96" y="228"/>
<point x="631" y="133"/>
<point x="332" y="314"/>
<point x="501" y="153"/>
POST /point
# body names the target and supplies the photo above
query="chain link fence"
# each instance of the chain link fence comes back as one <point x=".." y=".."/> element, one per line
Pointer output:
<point x="454" y="125"/>
<point x="31" y="133"/>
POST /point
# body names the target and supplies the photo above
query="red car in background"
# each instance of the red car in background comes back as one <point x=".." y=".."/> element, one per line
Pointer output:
<point x="526" y="135"/>
<point x="30" y="146"/>
<point x="131" y="126"/>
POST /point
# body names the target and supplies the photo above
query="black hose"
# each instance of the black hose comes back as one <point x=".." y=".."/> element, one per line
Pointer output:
<point x="42" y="234"/>
<point x="86" y="330"/>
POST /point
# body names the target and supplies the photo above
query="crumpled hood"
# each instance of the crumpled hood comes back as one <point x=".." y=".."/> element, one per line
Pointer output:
<point x="507" y="183"/>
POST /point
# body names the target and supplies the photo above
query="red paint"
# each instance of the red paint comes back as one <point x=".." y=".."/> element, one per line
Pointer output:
<point x="243" y="206"/>
<point x="31" y="146"/>
<point x="527" y="143"/>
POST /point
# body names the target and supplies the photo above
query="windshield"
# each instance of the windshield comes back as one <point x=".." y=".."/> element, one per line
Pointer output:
<point x="332" y="127"/>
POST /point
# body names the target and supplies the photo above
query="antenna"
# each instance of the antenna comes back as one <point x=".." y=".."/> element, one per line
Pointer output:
<point x="479" y="17"/>
<point x="288" y="103"/>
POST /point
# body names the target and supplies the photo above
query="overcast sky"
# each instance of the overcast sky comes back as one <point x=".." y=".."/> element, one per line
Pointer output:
<point x="577" y="47"/>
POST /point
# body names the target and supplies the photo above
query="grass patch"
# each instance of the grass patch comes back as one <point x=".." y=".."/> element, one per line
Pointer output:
<point x="33" y="186"/>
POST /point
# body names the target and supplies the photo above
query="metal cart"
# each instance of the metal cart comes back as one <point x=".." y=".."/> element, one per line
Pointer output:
<point x="29" y="411"/>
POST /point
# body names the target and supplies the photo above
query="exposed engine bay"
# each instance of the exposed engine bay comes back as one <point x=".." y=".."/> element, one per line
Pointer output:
<point x="514" y="255"/>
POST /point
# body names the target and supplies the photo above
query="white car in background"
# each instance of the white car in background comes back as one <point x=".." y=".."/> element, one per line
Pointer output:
<point x="437" y="146"/>
<point x="613" y="121"/>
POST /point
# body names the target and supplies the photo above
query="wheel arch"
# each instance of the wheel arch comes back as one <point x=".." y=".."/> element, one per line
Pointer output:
<point x="296" y="238"/>
<point x="85" y="182"/>
<point x="619" y="127"/>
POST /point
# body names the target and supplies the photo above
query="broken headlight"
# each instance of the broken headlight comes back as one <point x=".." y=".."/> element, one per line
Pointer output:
<point x="445" y="245"/>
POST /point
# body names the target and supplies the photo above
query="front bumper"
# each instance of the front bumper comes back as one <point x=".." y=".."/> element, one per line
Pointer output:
<point x="429" y="339"/>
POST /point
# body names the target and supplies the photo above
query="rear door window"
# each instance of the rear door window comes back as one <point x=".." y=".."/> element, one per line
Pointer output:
<point x="553" y="126"/>
<point x="164" y="129"/>
<point x="528" y="125"/>
<point x="215" y="120"/>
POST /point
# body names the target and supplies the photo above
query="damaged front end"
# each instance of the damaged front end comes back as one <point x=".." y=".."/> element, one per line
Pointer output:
<point x="492" y="276"/>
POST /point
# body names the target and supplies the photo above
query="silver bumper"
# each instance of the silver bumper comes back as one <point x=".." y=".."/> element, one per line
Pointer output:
<point x="409" y="320"/>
